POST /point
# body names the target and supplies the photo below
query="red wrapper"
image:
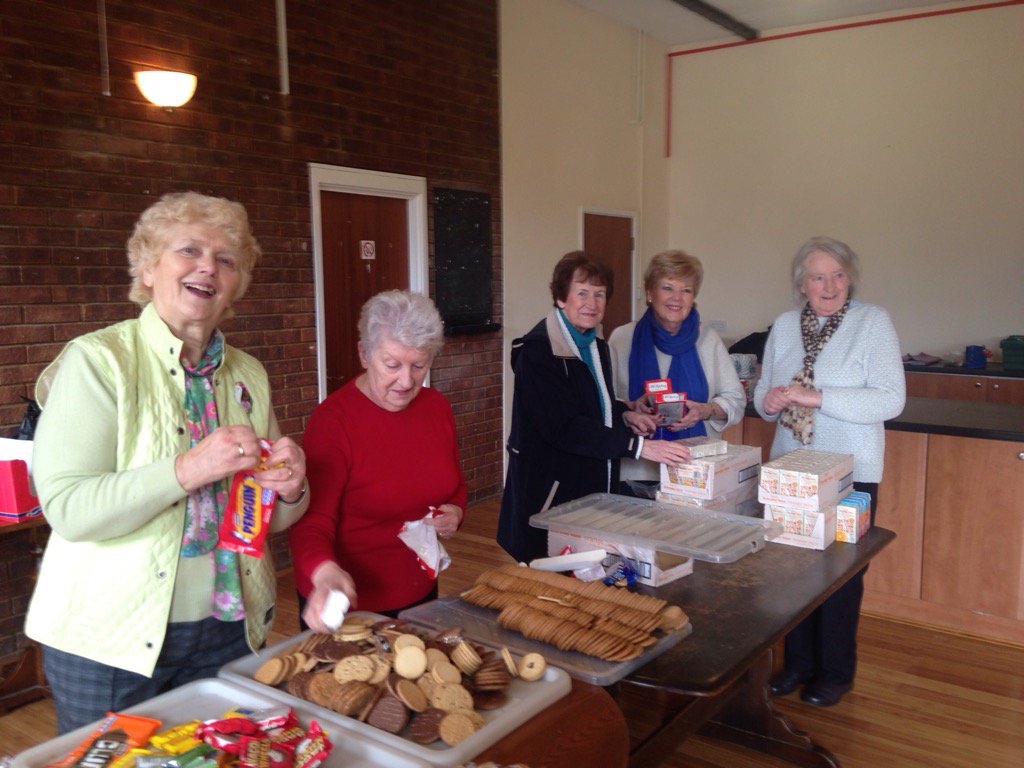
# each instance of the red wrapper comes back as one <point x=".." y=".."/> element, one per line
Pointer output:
<point x="247" y="513"/>
<point x="313" y="749"/>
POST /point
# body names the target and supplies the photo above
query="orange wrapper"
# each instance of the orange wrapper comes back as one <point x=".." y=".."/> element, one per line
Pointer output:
<point x="113" y="737"/>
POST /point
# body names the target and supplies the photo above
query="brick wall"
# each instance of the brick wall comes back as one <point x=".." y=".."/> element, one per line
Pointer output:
<point x="401" y="86"/>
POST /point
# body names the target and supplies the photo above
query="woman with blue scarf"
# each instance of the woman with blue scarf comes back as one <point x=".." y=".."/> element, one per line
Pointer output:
<point x="669" y="342"/>
<point x="568" y="429"/>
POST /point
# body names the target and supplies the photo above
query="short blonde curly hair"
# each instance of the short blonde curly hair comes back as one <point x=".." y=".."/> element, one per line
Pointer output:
<point x="149" y="237"/>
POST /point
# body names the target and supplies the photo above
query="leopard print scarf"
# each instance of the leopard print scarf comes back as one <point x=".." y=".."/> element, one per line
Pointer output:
<point x="800" y="418"/>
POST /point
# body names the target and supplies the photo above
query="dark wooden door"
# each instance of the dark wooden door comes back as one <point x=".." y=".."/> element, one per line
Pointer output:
<point x="349" y="224"/>
<point x="610" y="239"/>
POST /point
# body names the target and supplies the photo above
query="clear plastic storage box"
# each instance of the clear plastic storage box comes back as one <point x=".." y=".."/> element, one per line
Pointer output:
<point x="689" y="531"/>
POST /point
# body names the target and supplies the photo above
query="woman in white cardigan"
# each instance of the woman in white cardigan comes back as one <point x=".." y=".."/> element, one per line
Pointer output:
<point x="832" y="375"/>
<point x="669" y="341"/>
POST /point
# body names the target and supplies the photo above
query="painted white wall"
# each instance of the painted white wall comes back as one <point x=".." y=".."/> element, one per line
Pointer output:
<point x="905" y="140"/>
<point x="571" y="139"/>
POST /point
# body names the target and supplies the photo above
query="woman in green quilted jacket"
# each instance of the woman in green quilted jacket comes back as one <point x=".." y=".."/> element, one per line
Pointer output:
<point x="145" y="423"/>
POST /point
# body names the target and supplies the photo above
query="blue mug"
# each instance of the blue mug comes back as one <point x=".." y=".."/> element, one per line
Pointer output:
<point x="974" y="356"/>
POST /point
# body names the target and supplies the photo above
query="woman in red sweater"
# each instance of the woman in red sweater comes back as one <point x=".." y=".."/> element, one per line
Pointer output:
<point x="380" y="451"/>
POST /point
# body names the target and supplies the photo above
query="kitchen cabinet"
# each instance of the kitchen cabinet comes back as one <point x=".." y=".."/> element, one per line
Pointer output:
<point x="958" y="386"/>
<point x="973" y="529"/>
<point x="958" y="557"/>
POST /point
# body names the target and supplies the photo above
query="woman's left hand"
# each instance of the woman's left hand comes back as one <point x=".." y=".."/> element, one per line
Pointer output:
<point x="447" y="523"/>
<point x="286" y="472"/>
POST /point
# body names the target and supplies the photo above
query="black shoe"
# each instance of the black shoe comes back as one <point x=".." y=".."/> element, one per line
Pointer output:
<point x="787" y="681"/>
<point x="824" y="694"/>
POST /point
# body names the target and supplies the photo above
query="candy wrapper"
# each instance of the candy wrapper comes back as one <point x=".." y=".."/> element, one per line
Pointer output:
<point x="114" y="736"/>
<point x="421" y="538"/>
<point x="247" y="514"/>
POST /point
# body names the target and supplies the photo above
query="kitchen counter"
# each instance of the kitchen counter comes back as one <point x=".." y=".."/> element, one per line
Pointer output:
<point x="961" y="418"/>
<point x="993" y="369"/>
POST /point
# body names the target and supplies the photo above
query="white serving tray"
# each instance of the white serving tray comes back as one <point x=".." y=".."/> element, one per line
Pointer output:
<point x="481" y="624"/>
<point x="524" y="701"/>
<point x="212" y="697"/>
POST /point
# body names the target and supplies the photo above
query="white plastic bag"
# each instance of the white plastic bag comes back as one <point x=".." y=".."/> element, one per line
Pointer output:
<point x="421" y="537"/>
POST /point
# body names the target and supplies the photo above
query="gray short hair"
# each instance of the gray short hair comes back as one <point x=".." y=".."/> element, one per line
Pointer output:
<point x="148" y="238"/>
<point x="403" y="316"/>
<point x="839" y="251"/>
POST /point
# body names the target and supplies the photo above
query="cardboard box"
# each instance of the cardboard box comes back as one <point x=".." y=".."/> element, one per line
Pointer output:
<point x="713" y="476"/>
<point x="853" y="516"/>
<point x="810" y="530"/>
<point x="652" y="567"/>
<point x="805" y="479"/>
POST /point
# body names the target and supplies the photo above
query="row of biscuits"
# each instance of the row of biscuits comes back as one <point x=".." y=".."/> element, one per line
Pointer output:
<point x="589" y="617"/>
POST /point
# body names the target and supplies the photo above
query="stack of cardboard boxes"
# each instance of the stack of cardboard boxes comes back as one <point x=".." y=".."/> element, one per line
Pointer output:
<point x="809" y="494"/>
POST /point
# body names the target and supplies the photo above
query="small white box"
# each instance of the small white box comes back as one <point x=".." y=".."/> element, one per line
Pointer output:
<point x="805" y="479"/>
<point x="713" y="476"/>
<point x="703" y="445"/>
<point x="811" y="530"/>
<point x="653" y="568"/>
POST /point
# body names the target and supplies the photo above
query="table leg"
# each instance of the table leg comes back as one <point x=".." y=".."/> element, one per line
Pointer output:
<point x="750" y="719"/>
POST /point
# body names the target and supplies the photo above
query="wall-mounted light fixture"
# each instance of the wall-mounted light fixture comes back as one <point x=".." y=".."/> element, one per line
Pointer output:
<point x="166" y="89"/>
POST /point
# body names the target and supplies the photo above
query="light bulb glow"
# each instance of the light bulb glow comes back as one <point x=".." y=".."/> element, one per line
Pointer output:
<point x="166" y="89"/>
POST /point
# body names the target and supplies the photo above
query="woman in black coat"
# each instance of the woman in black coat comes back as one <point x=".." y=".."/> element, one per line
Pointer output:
<point x="568" y="431"/>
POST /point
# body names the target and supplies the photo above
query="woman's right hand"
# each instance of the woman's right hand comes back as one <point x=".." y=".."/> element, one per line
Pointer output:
<point x="641" y="423"/>
<point x="665" y="452"/>
<point x="327" y="576"/>
<point x="776" y="399"/>
<point x="642" y="404"/>
<point x="220" y="454"/>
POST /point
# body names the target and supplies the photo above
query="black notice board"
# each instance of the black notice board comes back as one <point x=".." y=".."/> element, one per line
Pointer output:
<point x="462" y="260"/>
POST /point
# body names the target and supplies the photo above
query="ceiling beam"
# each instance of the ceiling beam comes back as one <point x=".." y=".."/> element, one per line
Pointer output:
<point x="720" y="18"/>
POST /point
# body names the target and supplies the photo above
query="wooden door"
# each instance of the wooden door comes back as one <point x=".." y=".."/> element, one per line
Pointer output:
<point x="973" y="527"/>
<point x="350" y="224"/>
<point x="609" y="239"/>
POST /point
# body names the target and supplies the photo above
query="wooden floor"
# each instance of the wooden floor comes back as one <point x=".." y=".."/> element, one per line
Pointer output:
<point x="923" y="698"/>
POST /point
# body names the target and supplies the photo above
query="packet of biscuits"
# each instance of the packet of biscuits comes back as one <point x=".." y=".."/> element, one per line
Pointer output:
<point x="248" y="510"/>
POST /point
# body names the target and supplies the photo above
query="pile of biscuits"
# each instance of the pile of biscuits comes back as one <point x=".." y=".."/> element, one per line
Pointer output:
<point x="390" y="676"/>
<point x="590" y="617"/>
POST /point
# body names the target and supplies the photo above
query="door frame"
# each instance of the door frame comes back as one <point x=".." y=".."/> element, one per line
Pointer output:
<point x="360" y="181"/>
<point x="634" y="296"/>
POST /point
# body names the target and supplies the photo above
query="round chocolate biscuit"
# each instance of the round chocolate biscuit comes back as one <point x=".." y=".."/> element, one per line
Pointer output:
<point x="425" y="727"/>
<point x="389" y="714"/>
<point x="485" y="700"/>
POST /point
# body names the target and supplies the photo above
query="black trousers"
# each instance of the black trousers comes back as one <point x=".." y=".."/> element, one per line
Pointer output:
<point x="825" y="643"/>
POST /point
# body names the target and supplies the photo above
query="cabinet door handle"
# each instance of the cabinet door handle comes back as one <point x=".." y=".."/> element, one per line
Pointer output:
<point x="1021" y="455"/>
<point x="995" y="386"/>
<point x="977" y="385"/>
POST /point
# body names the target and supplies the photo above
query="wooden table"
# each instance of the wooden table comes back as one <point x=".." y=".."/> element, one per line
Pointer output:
<point x="584" y="728"/>
<point x="715" y="681"/>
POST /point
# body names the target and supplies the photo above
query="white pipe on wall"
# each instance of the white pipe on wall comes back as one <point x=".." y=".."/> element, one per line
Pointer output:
<point x="282" y="46"/>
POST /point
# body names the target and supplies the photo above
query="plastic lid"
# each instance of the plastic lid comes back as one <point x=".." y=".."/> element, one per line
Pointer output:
<point x="682" y="529"/>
